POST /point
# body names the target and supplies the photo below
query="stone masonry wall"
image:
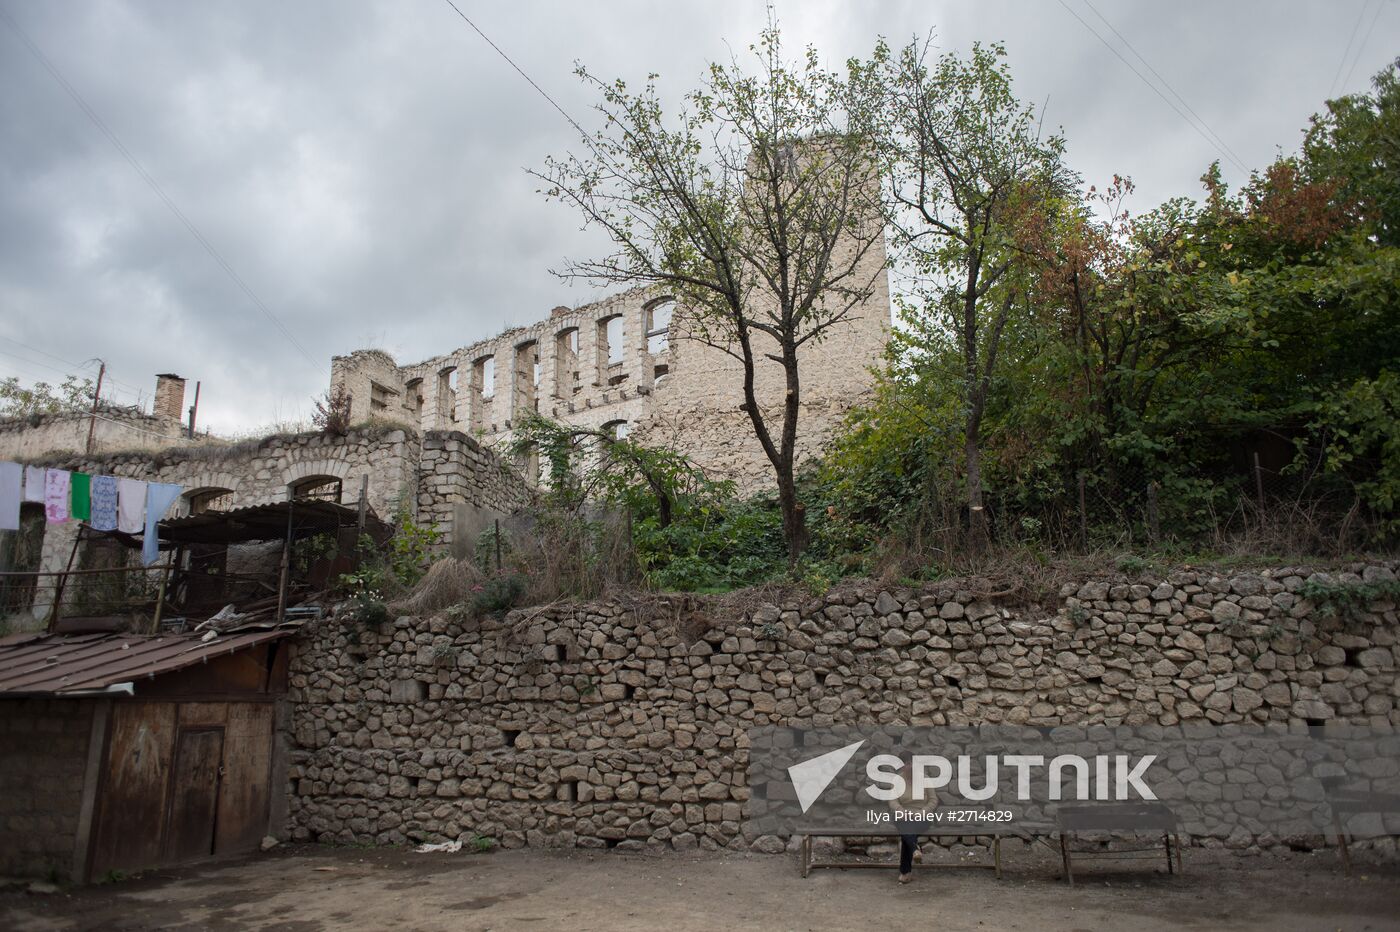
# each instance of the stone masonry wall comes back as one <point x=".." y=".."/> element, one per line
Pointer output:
<point x="43" y="756"/>
<point x="454" y="470"/>
<point x="605" y="726"/>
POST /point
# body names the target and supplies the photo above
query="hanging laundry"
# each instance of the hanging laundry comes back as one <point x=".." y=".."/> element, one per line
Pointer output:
<point x="34" y="484"/>
<point x="80" y="496"/>
<point x="131" y="505"/>
<point x="159" y="497"/>
<point x="11" y="477"/>
<point x="56" y="495"/>
<point x="104" y="503"/>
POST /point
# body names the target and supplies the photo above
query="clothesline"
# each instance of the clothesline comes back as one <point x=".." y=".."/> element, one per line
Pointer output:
<point x="106" y="503"/>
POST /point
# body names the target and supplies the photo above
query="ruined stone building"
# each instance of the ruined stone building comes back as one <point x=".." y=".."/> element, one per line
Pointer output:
<point x="626" y="365"/>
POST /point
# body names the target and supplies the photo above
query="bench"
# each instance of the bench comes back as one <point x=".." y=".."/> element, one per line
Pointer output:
<point x="1346" y="803"/>
<point x="808" y="863"/>
<point x="1110" y="817"/>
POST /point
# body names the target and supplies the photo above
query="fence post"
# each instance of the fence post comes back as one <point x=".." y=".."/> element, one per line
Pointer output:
<point x="1083" y="515"/>
<point x="1258" y="481"/>
<point x="1154" y="529"/>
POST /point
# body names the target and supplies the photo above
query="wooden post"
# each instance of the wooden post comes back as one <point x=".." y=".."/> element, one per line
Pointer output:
<point x="286" y="564"/>
<point x="92" y="417"/>
<point x="1258" y="481"/>
<point x="1154" y="530"/>
<point x="160" y="594"/>
<point x="364" y="505"/>
<point x="1083" y="515"/>
<point x="194" y="409"/>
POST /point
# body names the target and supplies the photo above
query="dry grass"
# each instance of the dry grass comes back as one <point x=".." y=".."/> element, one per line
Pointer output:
<point x="448" y="582"/>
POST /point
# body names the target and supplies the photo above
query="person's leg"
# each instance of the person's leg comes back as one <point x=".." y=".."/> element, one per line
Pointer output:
<point x="908" y="844"/>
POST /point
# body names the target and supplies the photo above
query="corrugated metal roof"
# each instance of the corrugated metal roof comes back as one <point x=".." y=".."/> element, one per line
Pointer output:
<point x="56" y="665"/>
<point x="260" y="522"/>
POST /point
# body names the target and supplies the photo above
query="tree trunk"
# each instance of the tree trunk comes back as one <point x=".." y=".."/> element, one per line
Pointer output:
<point x="794" y="518"/>
<point x="976" y="516"/>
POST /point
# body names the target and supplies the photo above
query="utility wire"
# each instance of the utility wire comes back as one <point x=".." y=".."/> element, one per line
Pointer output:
<point x="70" y="363"/>
<point x="1380" y="5"/>
<point x="155" y="186"/>
<point x="1124" y="39"/>
<point x="521" y="71"/>
<point x="1108" y="45"/>
<point x="84" y="412"/>
<point x="1346" y="52"/>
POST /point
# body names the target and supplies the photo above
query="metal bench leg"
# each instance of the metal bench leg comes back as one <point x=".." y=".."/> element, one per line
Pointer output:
<point x="1167" y="840"/>
<point x="1176" y="840"/>
<point x="1064" y="858"/>
<point x="1342" y="842"/>
<point x="806" y="855"/>
<point x="996" y="854"/>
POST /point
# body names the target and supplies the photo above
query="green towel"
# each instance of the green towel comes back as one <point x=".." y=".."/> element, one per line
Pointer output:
<point x="81" y="507"/>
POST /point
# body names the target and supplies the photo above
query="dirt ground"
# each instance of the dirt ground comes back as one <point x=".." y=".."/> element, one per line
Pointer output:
<point x="306" y="889"/>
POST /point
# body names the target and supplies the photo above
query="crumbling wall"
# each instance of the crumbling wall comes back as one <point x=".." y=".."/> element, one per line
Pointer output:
<point x="462" y="486"/>
<point x="43" y="761"/>
<point x="116" y="429"/>
<point x="668" y="387"/>
<point x="606" y="725"/>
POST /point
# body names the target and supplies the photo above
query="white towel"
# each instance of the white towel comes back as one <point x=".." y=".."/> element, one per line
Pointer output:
<point x="34" y="484"/>
<point x="11" y="475"/>
<point x="131" y="506"/>
<point x="58" y="488"/>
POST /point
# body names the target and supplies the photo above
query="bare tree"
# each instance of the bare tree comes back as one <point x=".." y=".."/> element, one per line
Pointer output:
<point x="756" y="205"/>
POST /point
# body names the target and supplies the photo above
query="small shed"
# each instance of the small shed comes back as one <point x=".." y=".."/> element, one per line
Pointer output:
<point x="120" y="752"/>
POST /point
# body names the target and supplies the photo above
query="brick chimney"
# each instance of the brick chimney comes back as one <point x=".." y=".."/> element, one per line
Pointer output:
<point x="170" y="397"/>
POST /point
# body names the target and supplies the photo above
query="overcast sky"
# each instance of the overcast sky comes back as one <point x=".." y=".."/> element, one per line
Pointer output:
<point x="360" y="165"/>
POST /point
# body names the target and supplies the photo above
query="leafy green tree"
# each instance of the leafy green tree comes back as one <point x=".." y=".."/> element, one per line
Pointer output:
<point x="756" y="207"/>
<point x="966" y="165"/>
<point x="72" y="394"/>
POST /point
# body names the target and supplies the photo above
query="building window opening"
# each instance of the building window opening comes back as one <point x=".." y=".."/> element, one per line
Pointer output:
<point x="204" y="501"/>
<point x="656" y="321"/>
<point x="484" y="370"/>
<point x="317" y="488"/>
<point x="447" y="393"/>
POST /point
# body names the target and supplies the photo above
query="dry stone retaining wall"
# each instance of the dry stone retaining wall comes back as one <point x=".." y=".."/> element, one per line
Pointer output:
<point x="605" y="726"/>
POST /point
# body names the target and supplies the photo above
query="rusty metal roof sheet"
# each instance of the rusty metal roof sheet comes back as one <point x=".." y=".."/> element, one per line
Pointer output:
<point x="62" y="665"/>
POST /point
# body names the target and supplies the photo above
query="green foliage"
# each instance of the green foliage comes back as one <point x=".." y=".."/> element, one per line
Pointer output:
<point x="479" y="843"/>
<point x="16" y="401"/>
<point x="498" y="594"/>
<point x="1159" y="352"/>
<point x="1349" y="601"/>
<point x="1358" y="428"/>
<point x="411" y="549"/>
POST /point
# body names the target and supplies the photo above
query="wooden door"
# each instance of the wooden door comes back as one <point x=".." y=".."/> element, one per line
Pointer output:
<point x="194" y="794"/>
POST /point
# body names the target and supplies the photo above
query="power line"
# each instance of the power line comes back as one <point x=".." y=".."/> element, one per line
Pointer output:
<point x="1346" y="52"/>
<point x="84" y="412"/>
<point x="1380" y="5"/>
<point x="521" y="71"/>
<point x="1189" y="122"/>
<point x="1124" y="39"/>
<point x="70" y="363"/>
<point x="155" y="186"/>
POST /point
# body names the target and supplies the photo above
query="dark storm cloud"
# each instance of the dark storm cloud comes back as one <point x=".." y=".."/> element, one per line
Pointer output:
<point x="361" y="164"/>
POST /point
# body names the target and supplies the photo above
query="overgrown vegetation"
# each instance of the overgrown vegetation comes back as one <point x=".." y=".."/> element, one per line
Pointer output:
<point x="1068" y="379"/>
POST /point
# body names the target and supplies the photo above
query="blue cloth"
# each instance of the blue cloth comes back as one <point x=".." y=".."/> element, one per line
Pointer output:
<point x="104" y="503"/>
<point x="159" y="497"/>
